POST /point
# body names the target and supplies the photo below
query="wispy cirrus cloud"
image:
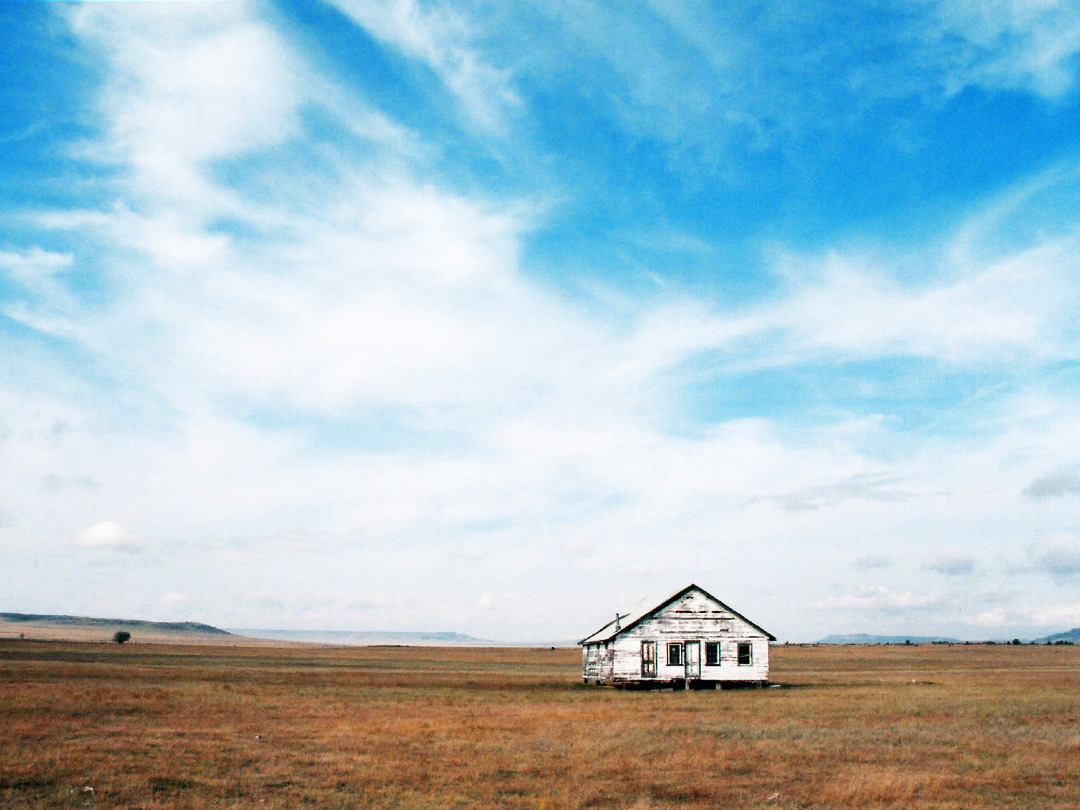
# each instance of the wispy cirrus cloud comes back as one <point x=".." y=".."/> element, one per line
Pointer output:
<point x="1006" y="44"/>
<point x="997" y="311"/>
<point x="712" y="84"/>
<point x="31" y="266"/>
<point x="438" y="35"/>
<point x="864" y="486"/>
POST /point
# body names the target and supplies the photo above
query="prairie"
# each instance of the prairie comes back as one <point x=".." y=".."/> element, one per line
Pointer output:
<point x="175" y="726"/>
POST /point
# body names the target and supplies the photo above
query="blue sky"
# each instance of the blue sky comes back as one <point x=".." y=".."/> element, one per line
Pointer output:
<point x="495" y="318"/>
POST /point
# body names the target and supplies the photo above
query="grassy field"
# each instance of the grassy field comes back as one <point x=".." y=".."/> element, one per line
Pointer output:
<point x="164" y="726"/>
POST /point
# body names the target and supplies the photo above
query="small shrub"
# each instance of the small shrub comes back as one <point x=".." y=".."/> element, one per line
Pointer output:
<point x="120" y="636"/>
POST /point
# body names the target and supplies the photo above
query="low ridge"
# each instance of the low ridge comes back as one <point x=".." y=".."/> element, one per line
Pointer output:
<point x="42" y="620"/>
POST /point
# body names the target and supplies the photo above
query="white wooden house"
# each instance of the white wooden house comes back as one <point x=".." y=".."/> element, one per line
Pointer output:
<point x="688" y="638"/>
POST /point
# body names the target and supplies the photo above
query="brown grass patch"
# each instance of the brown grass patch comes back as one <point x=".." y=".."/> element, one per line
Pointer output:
<point x="227" y="727"/>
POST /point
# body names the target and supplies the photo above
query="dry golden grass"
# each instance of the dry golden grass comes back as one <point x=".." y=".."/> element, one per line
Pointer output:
<point x="153" y="726"/>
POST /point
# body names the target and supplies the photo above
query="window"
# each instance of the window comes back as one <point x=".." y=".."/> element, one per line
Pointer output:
<point x="712" y="653"/>
<point x="648" y="659"/>
<point x="674" y="655"/>
<point x="745" y="658"/>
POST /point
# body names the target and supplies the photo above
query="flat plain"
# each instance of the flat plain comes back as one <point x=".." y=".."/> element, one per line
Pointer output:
<point x="185" y="726"/>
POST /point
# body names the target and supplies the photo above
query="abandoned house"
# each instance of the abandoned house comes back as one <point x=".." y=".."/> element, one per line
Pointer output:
<point x="687" y="639"/>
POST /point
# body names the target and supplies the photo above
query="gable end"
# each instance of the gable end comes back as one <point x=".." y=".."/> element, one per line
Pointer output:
<point x="602" y="634"/>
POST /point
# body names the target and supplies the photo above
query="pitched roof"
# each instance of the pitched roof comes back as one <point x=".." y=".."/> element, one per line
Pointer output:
<point x="646" y="607"/>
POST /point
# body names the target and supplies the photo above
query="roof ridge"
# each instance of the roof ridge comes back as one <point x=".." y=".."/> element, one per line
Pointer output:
<point x="653" y="606"/>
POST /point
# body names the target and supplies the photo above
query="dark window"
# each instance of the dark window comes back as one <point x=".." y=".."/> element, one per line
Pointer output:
<point x="674" y="655"/>
<point x="712" y="653"/>
<point x="648" y="659"/>
<point x="745" y="659"/>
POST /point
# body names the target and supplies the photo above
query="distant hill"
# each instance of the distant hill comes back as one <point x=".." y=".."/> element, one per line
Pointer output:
<point x="1069" y="635"/>
<point x="88" y="628"/>
<point x="89" y="621"/>
<point x="368" y="638"/>
<point x="866" y="638"/>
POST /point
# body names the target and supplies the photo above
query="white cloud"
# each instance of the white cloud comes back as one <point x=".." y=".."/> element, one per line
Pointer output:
<point x="711" y="84"/>
<point x="1053" y="617"/>
<point x="872" y="561"/>
<point x="1060" y="557"/>
<point x="44" y="303"/>
<point x="391" y="292"/>
<point x="372" y="289"/>
<point x="189" y="83"/>
<point x="28" y="267"/>
<point x="1056" y="615"/>
<point x="1054" y="485"/>
<point x="996" y="594"/>
<point x="996" y="618"/>
<point x="1004" y="311"/>
<point x="951" y="564"/>
<point x="863" y="486"/>
<point x="985" y="302"/>
<point x="880" y="598"/>
<point x="109" y="536"/>
<point x="440" y="37"/>
<point x="1007" y="44"/>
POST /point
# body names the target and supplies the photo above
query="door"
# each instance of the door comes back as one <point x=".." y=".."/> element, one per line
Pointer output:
<point x="693" y="659"/>
<point x="648" y="659"/>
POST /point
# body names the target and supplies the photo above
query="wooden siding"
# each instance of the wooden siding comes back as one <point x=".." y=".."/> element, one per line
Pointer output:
<point x="597" y="661"/>
<point x="694" y="617"/>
